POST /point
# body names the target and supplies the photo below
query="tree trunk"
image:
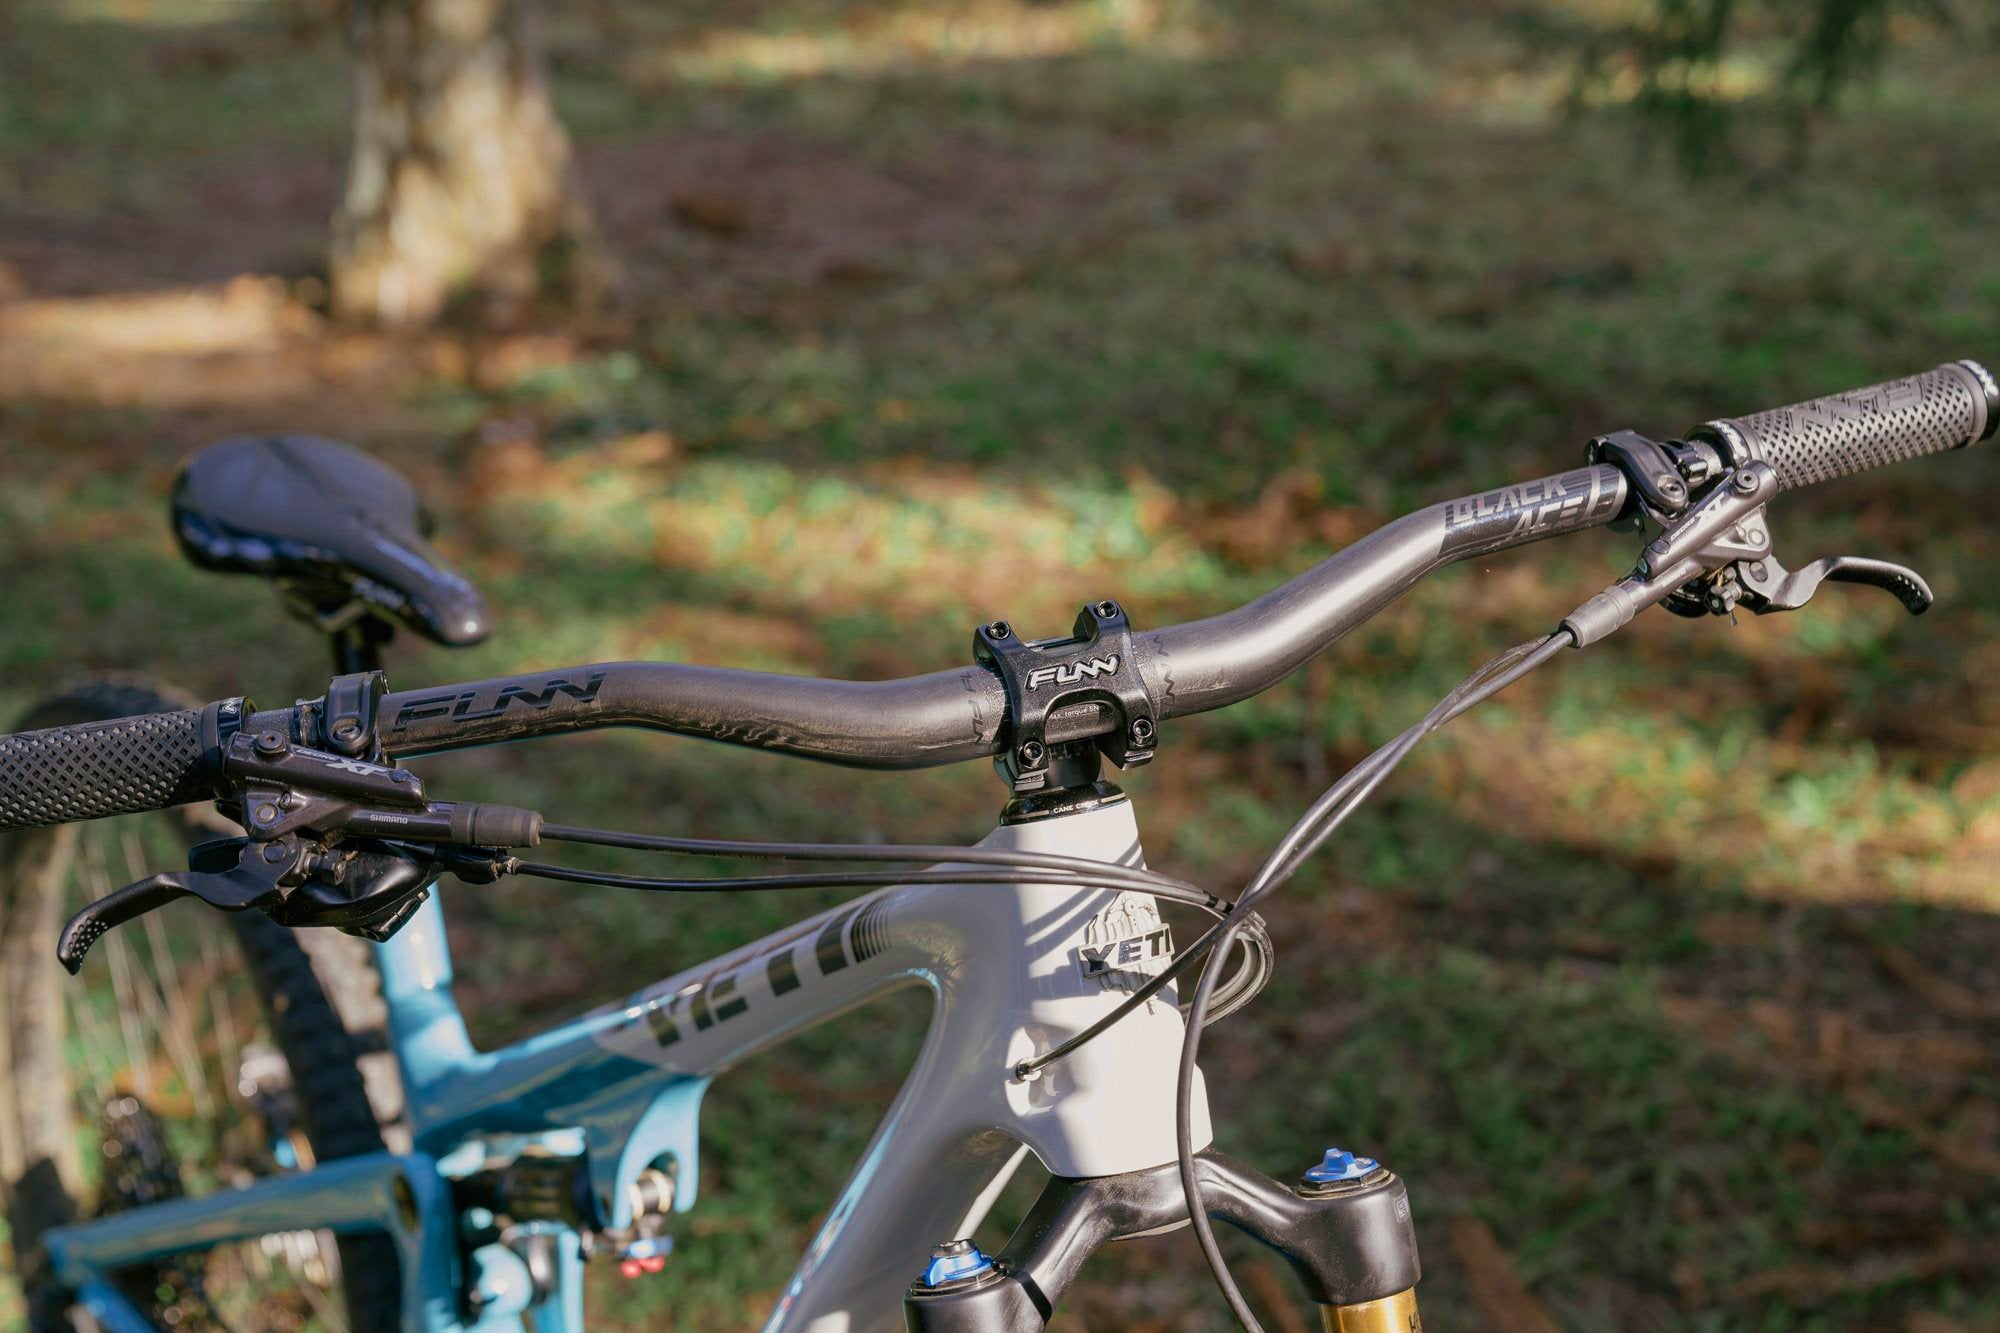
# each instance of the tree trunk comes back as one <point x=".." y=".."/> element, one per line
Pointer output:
<point x="458" y="182"/>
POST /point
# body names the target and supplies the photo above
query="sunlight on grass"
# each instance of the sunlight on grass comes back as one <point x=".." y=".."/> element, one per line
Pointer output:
<point x="930" y="36"/>
<point x="161" y="13"/>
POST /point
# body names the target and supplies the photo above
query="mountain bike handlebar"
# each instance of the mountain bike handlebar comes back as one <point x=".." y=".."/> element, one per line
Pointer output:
<point x="149" y="763"/>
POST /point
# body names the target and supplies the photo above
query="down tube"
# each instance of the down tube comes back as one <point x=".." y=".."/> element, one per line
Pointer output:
<point x="1015" y="969"/>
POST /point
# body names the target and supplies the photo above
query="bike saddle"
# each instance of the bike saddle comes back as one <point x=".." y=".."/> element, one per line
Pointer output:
<point x="331" y="524"/>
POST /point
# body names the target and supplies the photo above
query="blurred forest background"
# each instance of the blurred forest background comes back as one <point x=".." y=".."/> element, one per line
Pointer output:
<point x="1666" y="980"/>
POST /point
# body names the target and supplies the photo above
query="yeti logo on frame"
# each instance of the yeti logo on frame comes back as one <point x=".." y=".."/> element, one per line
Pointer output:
<point x="1071" y="672"/>
<point x="1125" y="945"/>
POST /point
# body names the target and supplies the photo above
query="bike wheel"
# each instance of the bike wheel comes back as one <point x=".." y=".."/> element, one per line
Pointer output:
<point x="193" y="1057"/>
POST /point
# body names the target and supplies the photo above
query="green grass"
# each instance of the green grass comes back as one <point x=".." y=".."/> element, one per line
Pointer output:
<point x="1167" y="301"/>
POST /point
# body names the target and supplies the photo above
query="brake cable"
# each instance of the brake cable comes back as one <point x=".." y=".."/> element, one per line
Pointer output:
<point x="1305" y="837"/>
<point x="1011" y="867"/>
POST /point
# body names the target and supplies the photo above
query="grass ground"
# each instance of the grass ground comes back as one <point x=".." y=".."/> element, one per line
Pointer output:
<point x="1665" y="980"/>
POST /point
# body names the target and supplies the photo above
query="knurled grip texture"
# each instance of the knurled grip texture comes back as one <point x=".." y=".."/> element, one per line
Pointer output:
<point x="95" y="769"/>
<point x="1845" y="433"/>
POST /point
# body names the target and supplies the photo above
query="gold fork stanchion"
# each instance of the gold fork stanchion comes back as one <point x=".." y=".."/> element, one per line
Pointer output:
<point x="1391" y="1314"/>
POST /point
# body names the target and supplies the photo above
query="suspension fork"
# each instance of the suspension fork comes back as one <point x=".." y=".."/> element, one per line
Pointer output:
<point x="1349" y="1241"/>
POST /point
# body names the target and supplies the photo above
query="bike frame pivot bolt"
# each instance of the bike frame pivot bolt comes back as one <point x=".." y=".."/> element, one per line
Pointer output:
<point x="1339" y="1165"/>
<point x="645" y="1255"/>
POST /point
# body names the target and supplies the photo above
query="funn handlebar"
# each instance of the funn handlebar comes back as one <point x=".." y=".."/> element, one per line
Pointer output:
<point x="152" y="762"/>
<point x="945" y="717"/>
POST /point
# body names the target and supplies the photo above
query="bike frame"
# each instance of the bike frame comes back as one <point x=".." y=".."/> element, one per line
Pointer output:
<point x="1013" y="970"/>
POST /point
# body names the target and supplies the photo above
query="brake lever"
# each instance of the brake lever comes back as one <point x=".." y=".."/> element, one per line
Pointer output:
<point x="363" y="886"/>
<point x="1769" y="587"/>
<point x="337" y="837"/>
<point x="255" y="876"/>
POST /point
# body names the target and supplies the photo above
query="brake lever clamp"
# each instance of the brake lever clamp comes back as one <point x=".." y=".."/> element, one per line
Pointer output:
<point x="1717" y="556"/>
<point x="1092" y="667"/>
<point x="1722" y="527"/>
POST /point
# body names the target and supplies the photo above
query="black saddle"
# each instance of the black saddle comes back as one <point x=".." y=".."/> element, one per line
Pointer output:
<point x="336" y="528"/>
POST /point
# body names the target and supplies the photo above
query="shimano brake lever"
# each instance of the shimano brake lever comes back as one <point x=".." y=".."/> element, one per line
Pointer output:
<point x="230" y="874"/>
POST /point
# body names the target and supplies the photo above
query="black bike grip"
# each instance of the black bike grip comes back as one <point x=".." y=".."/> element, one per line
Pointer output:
<point x="121" y="767"/>
<point x="1844" y="433"/>
<point x="113" y="909"/>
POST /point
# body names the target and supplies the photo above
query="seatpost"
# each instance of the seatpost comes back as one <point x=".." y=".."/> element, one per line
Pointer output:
<point x="357" y="645"/>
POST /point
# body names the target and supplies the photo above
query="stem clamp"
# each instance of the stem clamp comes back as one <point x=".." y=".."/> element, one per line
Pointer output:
<point x="1093" y="668"/>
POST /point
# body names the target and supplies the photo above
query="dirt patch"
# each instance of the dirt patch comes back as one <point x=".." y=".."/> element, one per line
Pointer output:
<point x="260" y="211"/>
<point x="765" y="223"/>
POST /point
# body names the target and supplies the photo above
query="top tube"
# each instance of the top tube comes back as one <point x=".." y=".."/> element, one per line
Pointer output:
<point x="951" y="716"/>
